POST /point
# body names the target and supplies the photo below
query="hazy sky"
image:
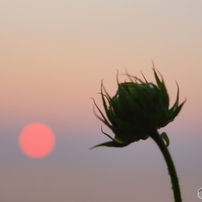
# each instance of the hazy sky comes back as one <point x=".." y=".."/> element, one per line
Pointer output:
<point x="53" y="57"/>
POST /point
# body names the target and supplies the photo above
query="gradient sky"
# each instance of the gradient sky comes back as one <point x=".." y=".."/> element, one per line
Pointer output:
<point x="53" y="57"/>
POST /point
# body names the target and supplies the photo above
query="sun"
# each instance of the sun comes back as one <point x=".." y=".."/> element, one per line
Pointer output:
<point x="36" y="140"/>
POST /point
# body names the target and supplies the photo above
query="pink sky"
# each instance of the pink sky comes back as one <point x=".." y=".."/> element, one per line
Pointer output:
<point x="53" y="57"/>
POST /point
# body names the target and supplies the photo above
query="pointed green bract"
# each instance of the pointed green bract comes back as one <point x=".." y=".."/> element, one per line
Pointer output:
<point x="165" y="138"/>
<point x="137" y="108"/>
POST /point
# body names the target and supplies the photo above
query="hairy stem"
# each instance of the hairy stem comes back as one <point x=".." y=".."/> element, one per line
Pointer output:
<point x="171" y="167"/>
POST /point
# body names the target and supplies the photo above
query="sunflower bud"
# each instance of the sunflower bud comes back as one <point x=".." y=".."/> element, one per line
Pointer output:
<point x="137" y="108"/>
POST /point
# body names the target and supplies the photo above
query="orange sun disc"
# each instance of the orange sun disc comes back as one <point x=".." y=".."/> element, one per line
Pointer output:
<point x="36" y="140"/>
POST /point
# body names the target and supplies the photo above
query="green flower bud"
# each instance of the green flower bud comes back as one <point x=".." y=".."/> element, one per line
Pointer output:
<point x="137" y="108"/>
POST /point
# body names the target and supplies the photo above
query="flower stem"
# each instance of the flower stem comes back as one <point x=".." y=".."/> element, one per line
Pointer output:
<point x="171" y="167"/>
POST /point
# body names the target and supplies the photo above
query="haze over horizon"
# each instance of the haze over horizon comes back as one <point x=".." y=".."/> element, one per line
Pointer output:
<point x="53" y="57"/>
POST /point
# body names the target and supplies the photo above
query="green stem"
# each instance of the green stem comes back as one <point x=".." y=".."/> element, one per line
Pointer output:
<point x="171" y="167"/>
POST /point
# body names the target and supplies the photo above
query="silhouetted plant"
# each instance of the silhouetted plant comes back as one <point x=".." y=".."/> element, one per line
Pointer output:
<point x="137" y="110"/>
